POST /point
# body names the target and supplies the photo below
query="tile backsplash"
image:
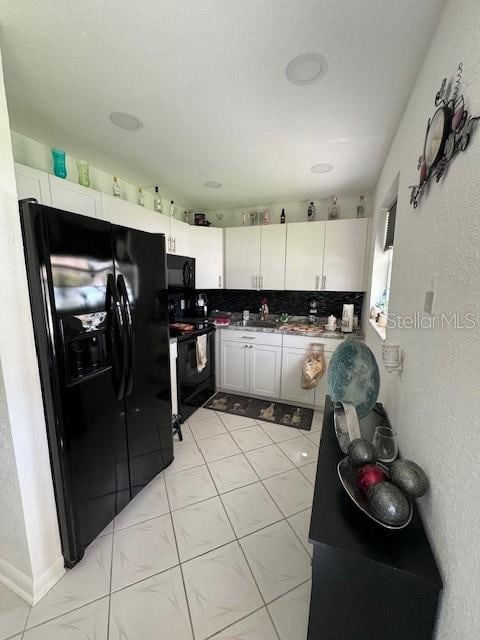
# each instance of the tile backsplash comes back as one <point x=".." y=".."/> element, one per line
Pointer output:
<point x="291" y="302"/>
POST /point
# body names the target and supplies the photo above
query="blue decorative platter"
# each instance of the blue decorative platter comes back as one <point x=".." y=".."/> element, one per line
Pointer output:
<point x="353" y="376"/>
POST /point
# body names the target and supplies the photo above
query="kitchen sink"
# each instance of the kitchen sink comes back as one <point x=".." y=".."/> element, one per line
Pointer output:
<point x="261" y="324"/>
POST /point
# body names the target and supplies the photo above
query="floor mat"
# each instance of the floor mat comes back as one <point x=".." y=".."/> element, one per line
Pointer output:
<point x="277" y="412"/>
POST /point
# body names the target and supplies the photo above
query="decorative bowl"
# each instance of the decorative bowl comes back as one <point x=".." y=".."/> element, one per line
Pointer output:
<point x="353" y="376"/>
<point x="348" y="477"/>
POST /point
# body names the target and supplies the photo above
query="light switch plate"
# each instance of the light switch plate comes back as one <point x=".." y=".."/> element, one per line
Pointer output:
<point x="428" y="306"/>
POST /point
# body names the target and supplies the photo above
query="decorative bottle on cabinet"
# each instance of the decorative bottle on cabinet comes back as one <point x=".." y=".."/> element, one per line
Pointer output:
<point x="361" y="208"/>
<point x="157" y="201"/>
<point x="311" y="213"/>
<point x="116" y="190"/>
<point x="333" y="209"/>
<point x="282" y="217"/>
<point x="171" y="211"/>
<point x="140" y="197"/>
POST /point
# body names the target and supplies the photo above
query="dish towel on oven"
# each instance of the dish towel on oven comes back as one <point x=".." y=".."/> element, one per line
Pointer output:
<point x="201" y="352"/>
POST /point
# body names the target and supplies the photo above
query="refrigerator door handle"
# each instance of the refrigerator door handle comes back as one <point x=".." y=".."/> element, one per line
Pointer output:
<point x="118" y="352"/>
<point x="127" y="319"/>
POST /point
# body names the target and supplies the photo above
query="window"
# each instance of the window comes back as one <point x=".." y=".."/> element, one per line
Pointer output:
<point x="390" y="227"/>
<point x="388" y="251"/>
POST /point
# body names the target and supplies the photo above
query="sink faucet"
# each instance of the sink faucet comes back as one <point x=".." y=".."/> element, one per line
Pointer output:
<point x="264" y="310"/>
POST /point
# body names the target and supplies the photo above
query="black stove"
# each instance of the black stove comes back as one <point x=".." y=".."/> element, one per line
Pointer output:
<point x="186" y="329"/>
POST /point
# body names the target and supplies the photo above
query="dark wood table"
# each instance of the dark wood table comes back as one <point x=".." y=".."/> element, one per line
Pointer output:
<point x="368" y="583"/>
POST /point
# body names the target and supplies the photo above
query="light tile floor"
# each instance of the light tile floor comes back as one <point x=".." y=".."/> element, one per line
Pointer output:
<point x="213" y="548"/>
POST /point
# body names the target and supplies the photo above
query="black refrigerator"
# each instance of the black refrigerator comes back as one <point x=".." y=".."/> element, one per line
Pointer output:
<point x="98" y="295"/>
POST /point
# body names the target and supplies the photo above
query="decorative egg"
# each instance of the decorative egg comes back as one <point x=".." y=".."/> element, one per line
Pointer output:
<point x="369" y="475"/>
<point x="361" y="452"/>
<point x="388" y="504"/>
<point x="409" y="477"/>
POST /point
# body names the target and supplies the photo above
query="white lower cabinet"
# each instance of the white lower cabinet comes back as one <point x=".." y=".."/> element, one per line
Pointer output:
<point x="234" y="374"/>
<point x="269" y="370"/>
<point x="292" y="391"/>
<point x="321" y="388"/>
<point x="265" y="370"/>
<point x="251" y="368"/>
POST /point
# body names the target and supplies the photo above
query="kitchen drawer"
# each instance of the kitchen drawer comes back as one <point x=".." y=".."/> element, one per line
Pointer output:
<point x="255" y="337"/>
<point x="303" y="342"/>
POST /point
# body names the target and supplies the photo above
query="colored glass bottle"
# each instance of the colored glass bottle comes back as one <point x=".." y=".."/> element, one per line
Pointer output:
<point x="59" y="165"/>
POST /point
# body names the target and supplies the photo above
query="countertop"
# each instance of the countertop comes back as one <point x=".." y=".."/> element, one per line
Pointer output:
<point x="311" y="331"/>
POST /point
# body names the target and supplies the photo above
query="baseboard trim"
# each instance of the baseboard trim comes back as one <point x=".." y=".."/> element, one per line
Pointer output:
<point x="48" y="579"/>
<point x="16" y="580"/>
<point x="23" y="586"/>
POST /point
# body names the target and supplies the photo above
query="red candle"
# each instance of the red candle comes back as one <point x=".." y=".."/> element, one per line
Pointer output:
<point x="369" y="475"/>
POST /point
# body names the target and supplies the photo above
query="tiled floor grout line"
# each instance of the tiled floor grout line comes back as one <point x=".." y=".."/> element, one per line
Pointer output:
<point x="236" y="622"/>
<point x="244" y="555"/>
<point x="179" y="561"/>
<point x="236" y="538"/>
<point x="65" y="613"/>
<point x="110" y="584"/>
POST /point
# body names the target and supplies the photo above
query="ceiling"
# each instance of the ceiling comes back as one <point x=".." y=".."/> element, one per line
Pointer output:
<point x="207" y="78"/>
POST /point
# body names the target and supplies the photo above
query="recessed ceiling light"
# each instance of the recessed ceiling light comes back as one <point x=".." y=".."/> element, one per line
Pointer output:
<point x="212" y="184"/>
<point x="323" y="167"/>
<point x="307" y="68"/>
<point x="125" y="121"/>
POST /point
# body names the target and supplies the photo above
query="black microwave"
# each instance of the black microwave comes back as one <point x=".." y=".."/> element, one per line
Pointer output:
<point x="181" y="273"/>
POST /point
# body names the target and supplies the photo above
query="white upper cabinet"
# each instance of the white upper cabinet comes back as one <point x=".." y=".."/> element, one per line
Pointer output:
<point x="304" y="256"/>
<point x="344" y="257"/>
<point x="242" y="258"/>
<point x="255" y="257"/>
<point x="179" y="238"/>
<point x="70" y="196"/>
<point x="206" y="246"/>
<point x="128" y="214"/>
<point x="272" y="256"/>
<point x="32" y="183"/>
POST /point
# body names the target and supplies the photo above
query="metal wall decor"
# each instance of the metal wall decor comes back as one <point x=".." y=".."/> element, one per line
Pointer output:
<point x="448" y="133"/>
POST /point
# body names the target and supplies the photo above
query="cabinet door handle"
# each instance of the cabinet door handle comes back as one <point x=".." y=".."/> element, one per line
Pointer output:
<point x="324" y="281"/>
<point x="220" y="281"/>
<point x="261" y="282"/>
<point x="317" y="282"/>
<point x="175" y="245"/>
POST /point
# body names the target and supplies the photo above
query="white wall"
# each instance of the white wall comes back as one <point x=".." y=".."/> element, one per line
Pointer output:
<point x="435" y="404"/>
<point x="38" y="155"/>
<point x="294" y="211"/>
<point x="22" y="419"/>
<point x="13" y="536"/>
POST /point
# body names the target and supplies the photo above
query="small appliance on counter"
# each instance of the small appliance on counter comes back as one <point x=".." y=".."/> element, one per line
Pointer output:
<point x="347" y="318"/>
<point x="201" y="307"/>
